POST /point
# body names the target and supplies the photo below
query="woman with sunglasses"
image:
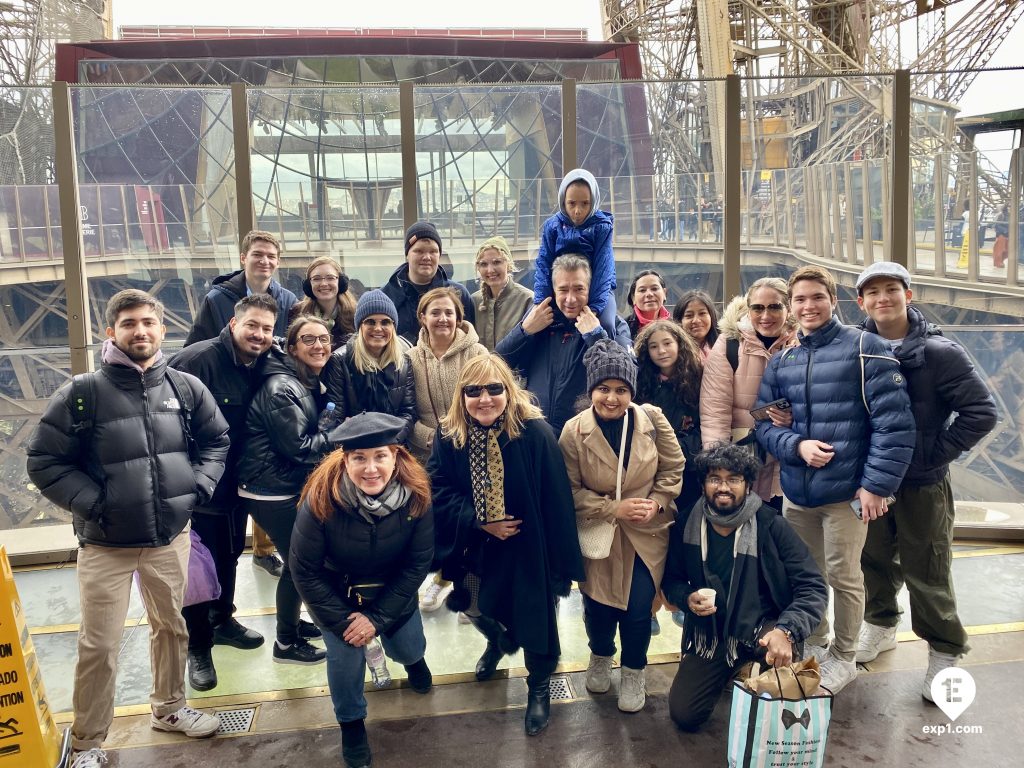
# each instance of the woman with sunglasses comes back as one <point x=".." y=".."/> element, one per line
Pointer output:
<point x="753" y="328"/>
<point x="371" y="373"/>
<point x="284" y="444"/>
<point x="327" y="297"/>
<point x="505" y="531"/>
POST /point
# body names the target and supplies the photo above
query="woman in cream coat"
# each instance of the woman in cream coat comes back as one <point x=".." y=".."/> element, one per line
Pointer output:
<point x="620" y="588"/>
<point x="757" y="326"/>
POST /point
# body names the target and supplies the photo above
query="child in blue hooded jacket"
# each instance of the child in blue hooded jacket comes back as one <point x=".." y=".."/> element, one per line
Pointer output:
<point x="579" y="227"/>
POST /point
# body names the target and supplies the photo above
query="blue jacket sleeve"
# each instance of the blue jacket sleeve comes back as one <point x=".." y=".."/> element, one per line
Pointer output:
<point x="893" y="431"/>
<point x="780" y="442"/>
<point x="545" y="255"/>
<point x="602" y="268"/>
<point x="516" y="347"/>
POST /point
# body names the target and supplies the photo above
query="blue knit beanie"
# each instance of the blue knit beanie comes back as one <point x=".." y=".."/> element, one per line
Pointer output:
<point x="375" y="302"/>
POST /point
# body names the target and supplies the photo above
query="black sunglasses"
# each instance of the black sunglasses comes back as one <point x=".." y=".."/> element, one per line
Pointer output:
<point x="475" y="390"/>
<point x="760" y="308"/>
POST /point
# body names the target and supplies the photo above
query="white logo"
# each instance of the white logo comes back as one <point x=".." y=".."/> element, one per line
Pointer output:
<point x="953" y="690"/>
<point x="172" y="404"/>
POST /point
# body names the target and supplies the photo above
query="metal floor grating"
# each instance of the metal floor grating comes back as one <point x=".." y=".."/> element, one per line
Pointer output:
<point x="235" y="720"/>
<point x="561" y="688"/>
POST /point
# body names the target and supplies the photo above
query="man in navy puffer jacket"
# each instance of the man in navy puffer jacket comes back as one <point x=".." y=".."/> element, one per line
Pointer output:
<point x="847" y="449"/>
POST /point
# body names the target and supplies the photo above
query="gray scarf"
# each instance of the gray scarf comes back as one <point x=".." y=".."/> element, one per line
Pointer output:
<point x="394" y="497"/>
<point x="743" y="603"/>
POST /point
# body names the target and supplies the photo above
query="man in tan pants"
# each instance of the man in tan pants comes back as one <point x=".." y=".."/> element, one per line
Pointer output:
<point x="130" y="450"/>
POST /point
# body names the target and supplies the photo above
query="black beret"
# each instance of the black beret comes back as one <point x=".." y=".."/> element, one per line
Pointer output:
<point x="368" y="430"/>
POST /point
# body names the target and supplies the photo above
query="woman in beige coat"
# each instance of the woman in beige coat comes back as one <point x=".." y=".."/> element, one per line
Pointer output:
<point x="501" y="302"/>
<point x="753" y="328"/>
<point x="615" y="438"/>
<point x="445" y="343"/>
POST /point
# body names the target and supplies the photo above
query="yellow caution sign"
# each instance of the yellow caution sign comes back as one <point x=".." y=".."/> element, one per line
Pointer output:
<point x="965" y="249"/>
<point x="28" y="736"/>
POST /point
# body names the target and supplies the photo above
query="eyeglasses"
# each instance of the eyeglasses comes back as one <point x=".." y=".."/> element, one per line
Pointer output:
<point x="733" y="481"/>
<point x="475" y="390"/>
<point x="309" y="339"/>
<point x="760" y="309"/>
<point x="324" y="279"/>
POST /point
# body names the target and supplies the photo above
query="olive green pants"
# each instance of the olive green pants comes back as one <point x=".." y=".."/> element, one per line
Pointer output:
<point x="912" y="545"/>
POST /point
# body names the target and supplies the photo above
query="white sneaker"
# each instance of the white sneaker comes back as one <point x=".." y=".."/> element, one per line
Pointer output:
<point x="819" y="652"/>
<point x="632" y="690"/>
<point x="874" y="640"/>
<point x="94" y="758"/>
<point x="936" y="663"/>
<point x="188" y="721"/>
<point x="433" y="597"/>
<point x="599" y="674"/>
<point x="836" y="674"/>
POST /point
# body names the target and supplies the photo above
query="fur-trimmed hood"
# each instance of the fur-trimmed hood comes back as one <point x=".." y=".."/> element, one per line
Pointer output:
<point x="735" y="320"/>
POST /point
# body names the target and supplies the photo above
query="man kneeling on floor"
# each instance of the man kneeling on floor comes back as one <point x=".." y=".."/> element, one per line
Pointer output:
<point x="130" y="450"/>
<point x="749" y="584"/>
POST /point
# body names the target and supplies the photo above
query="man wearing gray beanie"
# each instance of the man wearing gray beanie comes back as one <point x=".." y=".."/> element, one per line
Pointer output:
<point x="421" y="272"/>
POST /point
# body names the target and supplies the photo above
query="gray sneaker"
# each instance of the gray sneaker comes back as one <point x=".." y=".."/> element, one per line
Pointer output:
<point x="93" y="758"/>
<point x="632" y="690"/>
<point x="599" y="674"/>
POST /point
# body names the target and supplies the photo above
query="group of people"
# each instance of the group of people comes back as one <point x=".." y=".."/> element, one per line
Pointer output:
<point x="512" y="442"/>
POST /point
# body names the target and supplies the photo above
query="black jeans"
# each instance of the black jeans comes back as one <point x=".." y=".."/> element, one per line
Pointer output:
<point x="223" y="533"/>
<point x="633" y="624"/>
<point x="277" y="518"/>
<point x="699" y="682"/>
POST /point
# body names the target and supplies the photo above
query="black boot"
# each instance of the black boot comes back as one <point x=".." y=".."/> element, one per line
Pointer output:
<point x="420" y="679"/>
<point x="201" y="673"/>
<point x="488" y="663"/>
<point x="538" y="706"/>
<point x="355" y="747"/>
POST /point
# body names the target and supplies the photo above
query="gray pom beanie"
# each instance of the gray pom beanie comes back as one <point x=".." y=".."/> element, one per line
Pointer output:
<point x="375" y="302"/>
<point x="607" y="360"/>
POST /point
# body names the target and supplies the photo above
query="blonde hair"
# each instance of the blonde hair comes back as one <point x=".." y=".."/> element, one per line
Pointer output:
<point x="778" y="285"/>
<point x="344" y="311"/>
<point x="366" y="362"/>
<point x="488" y="369"/>
<point x="499" y="244"/>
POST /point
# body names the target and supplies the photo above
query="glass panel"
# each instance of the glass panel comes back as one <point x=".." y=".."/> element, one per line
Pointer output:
<point x="34" y="357"/>
<point x="156" y="176"/>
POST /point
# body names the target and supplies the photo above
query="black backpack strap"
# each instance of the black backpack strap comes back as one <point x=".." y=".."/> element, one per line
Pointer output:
<point x="732" y="353"/>
<point x="183" y="393"/>
<point x="83" y="404"/>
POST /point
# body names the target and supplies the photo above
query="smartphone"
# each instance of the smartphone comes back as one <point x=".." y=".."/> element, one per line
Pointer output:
<point x="855" y="506"/>
<point x="760" y="414"/>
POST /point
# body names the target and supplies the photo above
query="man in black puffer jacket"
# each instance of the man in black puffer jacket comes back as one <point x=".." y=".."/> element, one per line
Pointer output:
<point x="131" y="475"/>
<point x="913" y="543"/>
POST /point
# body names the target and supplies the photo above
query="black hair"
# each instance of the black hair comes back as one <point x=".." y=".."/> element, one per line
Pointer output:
<point x="728" y="456"/>
<point x="262" y="301"/>
<point x="707" y="301"/>
<point x="645" y="273"/>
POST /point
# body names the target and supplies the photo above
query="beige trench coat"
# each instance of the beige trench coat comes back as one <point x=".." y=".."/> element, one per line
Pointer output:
<point x="655" y="472"/>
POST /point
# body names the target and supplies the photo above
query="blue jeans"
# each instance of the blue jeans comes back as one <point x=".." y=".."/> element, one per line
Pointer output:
<point x="346" y="665"/>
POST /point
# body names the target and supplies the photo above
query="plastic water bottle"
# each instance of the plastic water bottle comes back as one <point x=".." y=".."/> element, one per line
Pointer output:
<point x="377" y="663"/>
<point x="327" y="418"/>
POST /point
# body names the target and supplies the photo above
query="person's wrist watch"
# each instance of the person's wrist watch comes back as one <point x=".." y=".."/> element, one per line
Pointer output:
<point x="787" y="632"/>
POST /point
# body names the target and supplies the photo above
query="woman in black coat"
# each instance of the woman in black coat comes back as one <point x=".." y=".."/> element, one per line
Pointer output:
<point x="283" y="445"/>
<point x="371" y="372"/>
<point x="505" y="523"/>
<point x="363" y="543"/>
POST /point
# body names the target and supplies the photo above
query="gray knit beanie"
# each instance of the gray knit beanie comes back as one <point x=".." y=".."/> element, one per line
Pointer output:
<point x="607" y="360"/>
<point x="420" y="230"/>
<point x="375" y="302"/>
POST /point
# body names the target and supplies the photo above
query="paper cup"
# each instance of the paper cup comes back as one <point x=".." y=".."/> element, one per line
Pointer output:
<point x="707" y="595"/>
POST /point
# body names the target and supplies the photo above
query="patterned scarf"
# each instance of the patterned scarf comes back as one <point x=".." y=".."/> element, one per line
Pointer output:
<point x="487" y="471"/>
<point x="743" y="604"/>
<point x="394" y="496"/>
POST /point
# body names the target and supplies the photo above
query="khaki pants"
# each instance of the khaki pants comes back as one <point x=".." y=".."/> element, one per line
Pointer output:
<point x="261" y="543"/>
<point x="835" y="537"/>
<point x="104" y="584"/>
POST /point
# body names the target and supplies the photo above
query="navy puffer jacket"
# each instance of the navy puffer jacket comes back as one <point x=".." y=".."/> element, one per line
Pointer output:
<point x="941" y="381"/>
<point x="822" y="379"/>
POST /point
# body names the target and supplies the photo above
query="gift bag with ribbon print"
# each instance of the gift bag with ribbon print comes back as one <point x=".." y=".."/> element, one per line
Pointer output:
<point x="767" y="732"/>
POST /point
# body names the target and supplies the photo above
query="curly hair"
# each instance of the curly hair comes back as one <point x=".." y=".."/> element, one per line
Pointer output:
<point x="687" y="370"/>
<point x="728" y="456"/>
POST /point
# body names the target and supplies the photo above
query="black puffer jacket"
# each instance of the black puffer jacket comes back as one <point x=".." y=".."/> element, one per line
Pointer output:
<point x="283" y="443"/>
<point x="394" y="551"/>
<point x="941" y="381"/>
<point x="339" y="377"/>
<point x="128" y="481"/>
<point x="233" y="384"/>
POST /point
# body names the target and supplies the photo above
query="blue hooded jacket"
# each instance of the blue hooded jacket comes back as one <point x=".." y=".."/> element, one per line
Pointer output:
<point x="592" y="239"/>
<point x="872" y="431"/>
